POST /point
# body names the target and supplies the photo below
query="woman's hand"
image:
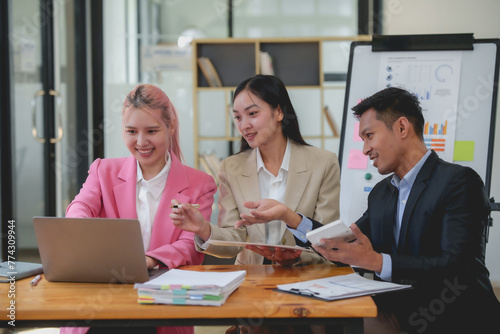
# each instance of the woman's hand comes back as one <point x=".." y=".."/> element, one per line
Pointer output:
<point x="151" y="263"/>
<point x="188" y="218"/>
<point x="266" y="210"/>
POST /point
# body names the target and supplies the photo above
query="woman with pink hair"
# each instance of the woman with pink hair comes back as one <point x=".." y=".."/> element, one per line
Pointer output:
<point x="142" y="185"/>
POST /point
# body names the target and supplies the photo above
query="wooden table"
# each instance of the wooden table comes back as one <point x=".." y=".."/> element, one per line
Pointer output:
<point x="253" y="303"/>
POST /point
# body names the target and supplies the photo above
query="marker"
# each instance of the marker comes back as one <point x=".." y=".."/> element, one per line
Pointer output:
<point x="176" y="206"/>
<point x="35" y="280"/>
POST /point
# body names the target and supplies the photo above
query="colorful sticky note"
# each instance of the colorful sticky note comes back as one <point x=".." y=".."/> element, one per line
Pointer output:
<point x="355" y="134"/>
<point x="357" y="160"/>
<point x="464" y="151"/>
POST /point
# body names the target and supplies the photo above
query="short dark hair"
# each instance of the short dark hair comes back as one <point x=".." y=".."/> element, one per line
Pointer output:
<point x="392" y="103"/>
<point x="273" y="91"/>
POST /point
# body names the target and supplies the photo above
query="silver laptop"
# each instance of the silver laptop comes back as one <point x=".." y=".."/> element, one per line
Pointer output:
<point x="94" y="250"/>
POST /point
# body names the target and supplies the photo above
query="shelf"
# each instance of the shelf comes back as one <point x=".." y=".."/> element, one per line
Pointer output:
<point x="295" y="63"/>
<point x="231" y="61"/>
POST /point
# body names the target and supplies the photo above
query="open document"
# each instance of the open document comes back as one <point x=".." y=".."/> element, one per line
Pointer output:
<point x="187" y="287"/>
<point x="340" y="287"/>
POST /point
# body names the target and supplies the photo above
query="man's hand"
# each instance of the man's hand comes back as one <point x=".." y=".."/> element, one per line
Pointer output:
<point x="266" y="210"/>
<point x="357" y="253"/>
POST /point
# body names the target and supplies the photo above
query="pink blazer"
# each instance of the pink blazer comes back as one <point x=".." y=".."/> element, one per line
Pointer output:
<point x="110" y="192"/>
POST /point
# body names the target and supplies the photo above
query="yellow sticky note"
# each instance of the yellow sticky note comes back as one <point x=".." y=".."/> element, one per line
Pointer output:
<point x="464" y="151"/>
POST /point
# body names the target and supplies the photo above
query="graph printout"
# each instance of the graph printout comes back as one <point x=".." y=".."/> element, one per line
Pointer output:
<point x="434" y="78"/>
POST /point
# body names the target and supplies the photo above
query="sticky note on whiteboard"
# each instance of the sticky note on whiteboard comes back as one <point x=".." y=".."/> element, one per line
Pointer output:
<point x="357" y="160"/>
<point x="463" y="151"/>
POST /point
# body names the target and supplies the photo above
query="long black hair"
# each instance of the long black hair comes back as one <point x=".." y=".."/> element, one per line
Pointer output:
<point x="272" y="91"/>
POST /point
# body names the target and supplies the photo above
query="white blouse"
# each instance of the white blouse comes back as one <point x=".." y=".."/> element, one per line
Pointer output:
<point x="274" y="187"/>
<point x="148" y="199"/>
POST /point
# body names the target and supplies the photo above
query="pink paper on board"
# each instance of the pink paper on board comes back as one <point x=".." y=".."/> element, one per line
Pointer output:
<point x="355" y="134"/>
<point x="357" y="160"/>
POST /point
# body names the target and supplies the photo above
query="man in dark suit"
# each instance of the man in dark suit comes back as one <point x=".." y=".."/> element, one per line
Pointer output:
<point x="424" y="226"/>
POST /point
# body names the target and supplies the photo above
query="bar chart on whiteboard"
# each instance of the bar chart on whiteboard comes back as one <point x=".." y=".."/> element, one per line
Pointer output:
<point x="434" y="78"/>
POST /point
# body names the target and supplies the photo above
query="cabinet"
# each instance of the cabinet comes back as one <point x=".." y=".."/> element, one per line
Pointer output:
<point x="298" y="62"/>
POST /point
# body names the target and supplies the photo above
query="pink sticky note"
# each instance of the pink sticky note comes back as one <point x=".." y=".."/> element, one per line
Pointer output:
<point x="355" y="134"/>
<point x="357" y="160"/>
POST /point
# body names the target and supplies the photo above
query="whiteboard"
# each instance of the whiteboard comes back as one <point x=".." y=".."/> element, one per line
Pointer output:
<point x="474" y="123"/>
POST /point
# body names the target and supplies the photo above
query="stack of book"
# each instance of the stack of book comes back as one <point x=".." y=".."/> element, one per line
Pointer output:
<point x="186" y="287"/>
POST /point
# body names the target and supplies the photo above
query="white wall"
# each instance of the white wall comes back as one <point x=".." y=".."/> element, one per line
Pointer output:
<point x="455" y="16"/>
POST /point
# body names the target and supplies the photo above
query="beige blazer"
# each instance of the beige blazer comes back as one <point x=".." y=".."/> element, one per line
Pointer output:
<point x="313" y="187"/>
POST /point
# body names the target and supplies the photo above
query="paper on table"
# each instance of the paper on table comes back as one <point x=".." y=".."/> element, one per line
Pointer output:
<point x="243" y="244"/>
<point x="152" y="297"/>
<point x="186" y="297"/>
<point x="193" y="280"/>
<point x="340" y="287"/>
<point x="186" y="287"/>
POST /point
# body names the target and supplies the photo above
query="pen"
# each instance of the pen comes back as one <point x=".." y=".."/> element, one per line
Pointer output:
<point x="35" y="280"/>
<point x="176" y="206"/>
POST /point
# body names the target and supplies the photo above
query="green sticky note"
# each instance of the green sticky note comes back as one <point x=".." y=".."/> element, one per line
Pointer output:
<point x="464" y="151"/>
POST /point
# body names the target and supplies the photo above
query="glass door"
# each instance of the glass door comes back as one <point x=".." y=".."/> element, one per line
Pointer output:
<point x="42" y="113"/>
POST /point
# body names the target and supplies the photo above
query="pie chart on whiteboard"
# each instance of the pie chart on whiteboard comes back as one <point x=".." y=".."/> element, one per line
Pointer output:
<point x="443" y="73"/>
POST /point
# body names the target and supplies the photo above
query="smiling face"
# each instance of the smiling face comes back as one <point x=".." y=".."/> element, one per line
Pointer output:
<point x="256" y="120"/>
<point x="380" y="143"/>
<point x="147" y="139"/>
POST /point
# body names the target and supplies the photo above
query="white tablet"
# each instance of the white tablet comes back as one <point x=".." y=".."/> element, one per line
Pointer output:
<point x="334" y="230"/>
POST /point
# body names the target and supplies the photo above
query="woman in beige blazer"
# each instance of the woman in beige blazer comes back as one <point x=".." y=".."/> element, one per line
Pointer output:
<point x="274" y="162"/>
